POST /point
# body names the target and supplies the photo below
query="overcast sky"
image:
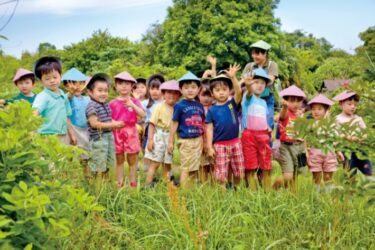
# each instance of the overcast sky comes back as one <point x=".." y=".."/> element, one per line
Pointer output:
<point x="62" y="22"/>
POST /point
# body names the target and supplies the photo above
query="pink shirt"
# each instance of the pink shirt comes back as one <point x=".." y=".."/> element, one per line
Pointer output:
<point x="120" y="112"/>
<point x="355" y="119"/>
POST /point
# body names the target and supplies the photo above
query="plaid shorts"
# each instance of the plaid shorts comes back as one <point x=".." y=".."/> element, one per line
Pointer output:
<point x="228" y="154"/>
<point x="257" y="150"/>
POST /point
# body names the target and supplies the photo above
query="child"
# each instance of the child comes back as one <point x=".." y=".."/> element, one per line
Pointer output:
<point x="155" y="97"/>
<point x="187" y="121"/>
<point x="348" y="103"/>
<point x="223" y="141"/>
<point x="126" y="108"/>
<point x="140" y="89"/>
<point x="74" y="82"/>
<point x="24" y="81"/>
<point x="158" y="131"/>
<point x="319" y="162"/>
<point x="255" y="137"/>
<point x="52" y="103"/>
<point x="99" y="117"/>
<point x="205" y="98"/>
<point x="291" y="148"/>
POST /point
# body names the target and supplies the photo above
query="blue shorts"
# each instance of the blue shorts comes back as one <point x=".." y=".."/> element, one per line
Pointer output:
<point x="362" y="165"/>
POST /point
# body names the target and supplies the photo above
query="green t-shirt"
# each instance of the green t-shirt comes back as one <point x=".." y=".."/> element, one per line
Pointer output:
<point x="21" y="96"/>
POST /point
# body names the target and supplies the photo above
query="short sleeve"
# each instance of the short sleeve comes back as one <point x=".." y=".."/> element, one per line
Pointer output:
<point x="209" y="116"/>
<point x="273" y="69"/>
<point x="361" y="123"/>
<point x="68" y="107"/>
<point x="90" y="111"/>
<point x="40" y="103"/>
<point x="177" y="112"/>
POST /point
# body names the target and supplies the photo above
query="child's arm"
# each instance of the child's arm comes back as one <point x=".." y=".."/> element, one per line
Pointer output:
<point x="138" y="110"/>
<point x="212" y="61"/>
<point x="172" y="132"/>
<point x="209" y="132"/>
<point x="233" y="69"/>
<point x="72" y="136"/>
<point x="95" y="123"/>
<point x="150" y="138"/>
<point x="284" y="110"/>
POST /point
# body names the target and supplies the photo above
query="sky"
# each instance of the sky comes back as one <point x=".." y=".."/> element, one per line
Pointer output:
<point x="63" y="22"/>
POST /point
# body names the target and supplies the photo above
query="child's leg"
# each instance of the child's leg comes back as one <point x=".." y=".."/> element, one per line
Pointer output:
<point x="251" y="179"/>
<point x="166" y="172"/>
<point x="317" y="176"/>
<point x="184" y="177"/>
<point x="132" y="162"/>
<point x="151" y="172"/>
<point x="237" y="162"/>
<point x="120" y="160"/>
<point x="266" y="180"/>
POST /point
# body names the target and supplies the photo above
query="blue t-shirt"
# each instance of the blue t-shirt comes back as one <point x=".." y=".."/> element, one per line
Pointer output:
<point x="190" y="118"/>
<point x="225" y="120"/>
<point x="254" y="113"/>
<point x="79" y="105"/>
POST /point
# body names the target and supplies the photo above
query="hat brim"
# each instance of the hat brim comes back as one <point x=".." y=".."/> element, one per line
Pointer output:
<point x="226" y="79"/>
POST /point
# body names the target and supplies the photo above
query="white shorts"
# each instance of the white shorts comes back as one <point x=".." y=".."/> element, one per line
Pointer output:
<point x="160" y="152"/>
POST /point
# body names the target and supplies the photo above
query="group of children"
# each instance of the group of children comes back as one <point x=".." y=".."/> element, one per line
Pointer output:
<point x="221" y="125"/>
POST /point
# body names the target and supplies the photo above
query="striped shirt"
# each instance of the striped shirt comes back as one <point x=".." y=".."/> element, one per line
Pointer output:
<point x="103" y="113"/>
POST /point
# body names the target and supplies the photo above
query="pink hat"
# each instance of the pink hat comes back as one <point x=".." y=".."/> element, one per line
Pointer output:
<point x="21" y="73"/>
<point x="170" y="85"/>
<point x="321" y="99"/>
<point x="344" y="95"/>
<point x="292" y="91"/>
<point x="125" y="76"/>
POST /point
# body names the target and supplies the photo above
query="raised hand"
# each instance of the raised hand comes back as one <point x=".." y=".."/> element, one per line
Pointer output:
<point x="233" y="69"/>
<point x="211" y="59"/>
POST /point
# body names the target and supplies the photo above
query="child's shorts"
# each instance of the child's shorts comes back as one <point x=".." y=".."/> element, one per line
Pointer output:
<point x="289" y="152"/>
<point x="319" y="162"/>
<point x="160" y="152"/>
<point x="206" y="160"/>
<point x="102" y="153"/>
<point x="82" y="136"/>
<point x="127" y="140"/>
<point x="364" y="166"/>
<point x="228" y="154"/>
<point x="190" y="153"/>
<point x="257" y="150"/>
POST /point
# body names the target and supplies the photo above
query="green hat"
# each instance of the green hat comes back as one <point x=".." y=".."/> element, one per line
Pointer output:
<point x="261" y="45"/>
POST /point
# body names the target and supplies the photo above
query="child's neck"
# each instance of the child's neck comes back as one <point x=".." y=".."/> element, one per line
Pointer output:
<point x="123" y="97"/>
<point x="347" y="115"/>
<point x="30" y="94"/>
<point x="221" y="103"/>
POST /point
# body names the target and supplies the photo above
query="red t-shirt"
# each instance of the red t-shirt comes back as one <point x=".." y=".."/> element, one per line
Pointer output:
<point x="286" y="128"/>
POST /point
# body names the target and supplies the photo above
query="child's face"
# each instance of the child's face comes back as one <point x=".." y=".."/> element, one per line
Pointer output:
<point x="123" y="88"/>
<point x="258" y="56"/>
<point x="100" y="92"/>
<point x="294" y="103"/>
<point x="205" y="100"/>
<point x="51" y="80"/>
<point x="258" y="86"/>
<point x="155" y="93"/>
<point x="25" y="85"/>
<point x="190" y="90"/>
<point x="75" y="87"/>
<point x="349" y="107"/>
<point x="318" y="111"/>
<point x="140" y="90"/>
<point x="221" y="93"/>
<point x="171" y="97"/>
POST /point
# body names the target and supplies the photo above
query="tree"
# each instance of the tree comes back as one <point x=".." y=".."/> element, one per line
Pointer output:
<point x="368" y="50"/>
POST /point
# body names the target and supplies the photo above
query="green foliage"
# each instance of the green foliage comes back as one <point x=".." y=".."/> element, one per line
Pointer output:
<point x="36" y="210"/>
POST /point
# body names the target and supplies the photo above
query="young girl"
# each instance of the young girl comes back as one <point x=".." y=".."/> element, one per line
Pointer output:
<point x="206" y="99"/>
<point x="155" y="97"/>
<point x="318" y="162"/>
<point x="348" y="103"/>
<point x="140" y="90"/>
<point x="126" y="108"/>
<point x="187" y="121"/>
<point x="158" y="131"/>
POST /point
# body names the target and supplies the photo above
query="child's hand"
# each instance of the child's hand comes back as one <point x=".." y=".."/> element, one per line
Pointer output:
<point x="73" y="140"/>
<point x="211" y="60"/>
<point x="118" y="124"/>
<point x="340" y="156"/>
<point x="233" y="69"/>
<point x="170" y="148"/>
<point x="129" y="103"/>
<point x="150" y="145"/>
<point x="211" y="152"/>
<point x="208" y="73"/>
<point x="284" y="103"/>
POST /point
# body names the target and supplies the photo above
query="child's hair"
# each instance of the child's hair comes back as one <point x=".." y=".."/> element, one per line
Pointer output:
<point x="31" y="77"/>
<point x="205" y="90"/>
<point x="352" y="98"/>
<point x="98" y="77"/>
<point x="220" y="82"/>
<point x="153" y="82"/>
<point x="142" y="81"/>
<point x="325" y="106"/>
<point x="291" y="97"/>
<point x="46" y="65"/>
<point x="182" y="83"/>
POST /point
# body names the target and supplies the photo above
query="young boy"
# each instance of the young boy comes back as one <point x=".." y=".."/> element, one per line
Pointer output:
<point x="291" y="148"/>
<point x="223" y="143"/>
<point x="98" y="114"/>
<point x="52" y="103"/>
<point x="348" y="103"/>
<point x="255" y="137"/>
<point x="24" y="81"/>
<point x="187" y="121"/>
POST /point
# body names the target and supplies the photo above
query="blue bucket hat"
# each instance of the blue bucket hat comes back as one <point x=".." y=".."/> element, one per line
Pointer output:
<point x="261" y="73"/>
<point x="74" y="75"/>
<point x="189" y="77"/>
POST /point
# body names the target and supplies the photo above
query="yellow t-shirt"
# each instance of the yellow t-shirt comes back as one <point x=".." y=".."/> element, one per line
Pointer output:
<point x="162" y="116"/>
